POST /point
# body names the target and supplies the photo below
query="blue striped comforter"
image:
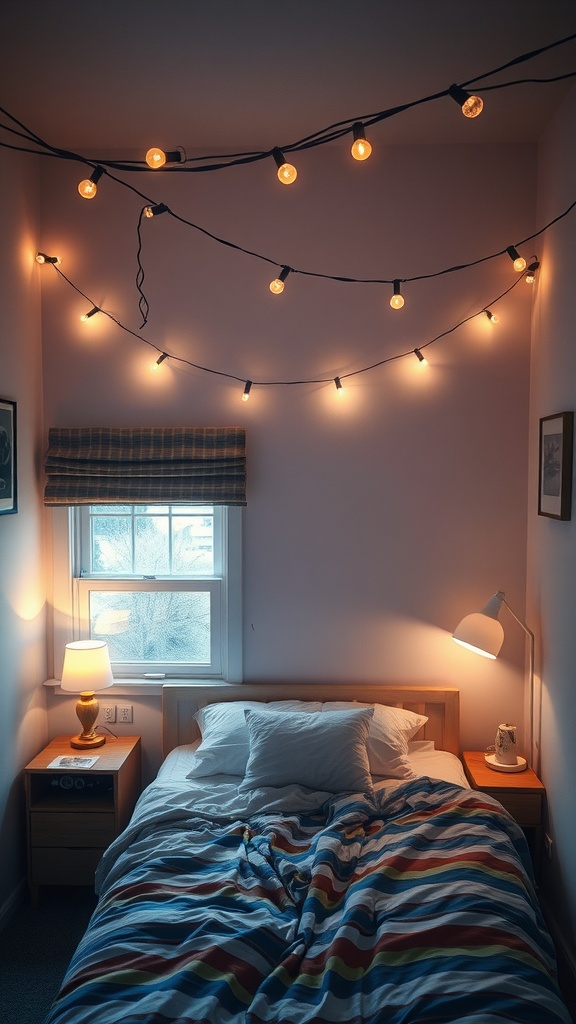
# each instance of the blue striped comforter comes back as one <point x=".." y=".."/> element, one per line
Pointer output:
<point x="414" y="907"/>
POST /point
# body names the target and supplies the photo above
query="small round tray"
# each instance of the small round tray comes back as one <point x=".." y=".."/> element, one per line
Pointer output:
<point x="493" y="763"/>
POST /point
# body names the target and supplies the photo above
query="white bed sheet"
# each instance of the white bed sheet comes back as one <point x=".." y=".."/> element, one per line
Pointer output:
<point x="424" y="760"/>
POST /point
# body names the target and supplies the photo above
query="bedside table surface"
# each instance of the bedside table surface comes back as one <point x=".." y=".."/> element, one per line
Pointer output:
<point x="490" y="778"/>
<point x="110" y="756"/>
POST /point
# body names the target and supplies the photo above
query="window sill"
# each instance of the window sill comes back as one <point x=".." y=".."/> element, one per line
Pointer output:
<point x="136" y="687"/>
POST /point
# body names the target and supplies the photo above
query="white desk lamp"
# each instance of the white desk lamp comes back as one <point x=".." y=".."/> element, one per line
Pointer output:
<point x="482" y="633"/>
<point x="86" y="669"/>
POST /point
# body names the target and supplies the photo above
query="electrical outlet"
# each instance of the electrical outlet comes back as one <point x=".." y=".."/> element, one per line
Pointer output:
<point x="124" y="712"/>
<point x="548" y="845"/>
<point x="108" y="712"/>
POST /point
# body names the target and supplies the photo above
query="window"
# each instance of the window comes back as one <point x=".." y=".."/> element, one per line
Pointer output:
<point x="159" y="583"/>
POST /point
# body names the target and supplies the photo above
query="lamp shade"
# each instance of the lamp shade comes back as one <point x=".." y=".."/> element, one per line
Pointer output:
<point x="481" y="631"/>
<point x="86" y="666"/>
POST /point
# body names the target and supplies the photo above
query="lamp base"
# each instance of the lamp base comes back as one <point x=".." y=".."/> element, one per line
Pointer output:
<point x="87" y="710"/>
<point x="520" y="766"/>
<point x="87" y="742"/>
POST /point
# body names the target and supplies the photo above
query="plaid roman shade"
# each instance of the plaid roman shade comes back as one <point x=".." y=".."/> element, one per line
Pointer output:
<point x="151" y="465"/>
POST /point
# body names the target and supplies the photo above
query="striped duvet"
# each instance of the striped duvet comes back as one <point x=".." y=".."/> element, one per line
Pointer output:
<point x="412" y="907"/>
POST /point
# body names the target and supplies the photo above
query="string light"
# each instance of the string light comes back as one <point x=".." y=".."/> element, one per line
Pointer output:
<point x="41" y="257"/>
<point x="88" y="187"/>
<point x="360" y="148"/>
<point x="421" y="359"/>
<point x="492" y="316"/>
<point x="287" y="173"/>
<point x="90" y="313"/>
<point x="339" y="388"/>
<point x="518" y="260"/>
<point x="277" y="285"/>
<point x="246" y="392"/>
<point x="397" y="300"/>
<point x="531" y="272"/>
<point x="471" y="105"/>
<point x="155" y="211"/>
<point x="156" y="158"/>
<point x="159" y="361"/>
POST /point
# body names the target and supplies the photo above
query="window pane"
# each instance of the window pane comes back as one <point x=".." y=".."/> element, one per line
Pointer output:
<point x="151" y="546"/>
<point x="156" y="627"/>
<point x="111" y="545"/>
<point x="192" y="545"/>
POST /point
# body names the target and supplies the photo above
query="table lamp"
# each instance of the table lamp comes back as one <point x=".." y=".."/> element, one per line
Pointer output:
<point x="482" y="633"/>
<point x="86" y="669"/>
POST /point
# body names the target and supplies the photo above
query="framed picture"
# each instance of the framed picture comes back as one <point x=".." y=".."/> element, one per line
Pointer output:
<point x="555" y="475"/>
<point x="8" y="478"/>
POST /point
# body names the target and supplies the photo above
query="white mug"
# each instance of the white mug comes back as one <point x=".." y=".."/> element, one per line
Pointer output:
<point x="505" y="744"/>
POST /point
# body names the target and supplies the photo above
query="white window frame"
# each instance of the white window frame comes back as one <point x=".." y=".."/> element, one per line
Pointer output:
<point x="70" y="593"/>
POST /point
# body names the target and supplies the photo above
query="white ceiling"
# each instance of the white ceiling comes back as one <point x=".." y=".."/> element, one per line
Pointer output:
<point x="115" y="76"/>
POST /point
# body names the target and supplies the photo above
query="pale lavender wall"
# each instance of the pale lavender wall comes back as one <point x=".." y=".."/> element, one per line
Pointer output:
<point x="552" y="545"/>
<point x="23" y="729"/>
<point x="374" y="522"/>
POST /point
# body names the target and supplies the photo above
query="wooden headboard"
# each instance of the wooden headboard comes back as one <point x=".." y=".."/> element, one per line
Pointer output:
<point x="441" y="704"/>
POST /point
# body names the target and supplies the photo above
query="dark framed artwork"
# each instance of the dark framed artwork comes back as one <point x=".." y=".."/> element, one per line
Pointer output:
<point x="555" y="473"/>
<point x="8" y="478"/>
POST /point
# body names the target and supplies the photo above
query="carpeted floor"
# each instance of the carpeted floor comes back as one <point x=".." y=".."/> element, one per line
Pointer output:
<point x="35" y="949"/>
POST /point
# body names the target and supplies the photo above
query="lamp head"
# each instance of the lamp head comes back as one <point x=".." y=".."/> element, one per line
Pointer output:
<point x="481" y="632"/>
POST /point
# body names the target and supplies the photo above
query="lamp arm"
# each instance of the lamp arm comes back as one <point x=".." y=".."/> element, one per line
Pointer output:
<point x="530" y="636"/>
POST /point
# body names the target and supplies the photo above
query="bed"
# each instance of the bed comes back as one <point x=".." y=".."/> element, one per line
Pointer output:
<point x="313" y="853"/>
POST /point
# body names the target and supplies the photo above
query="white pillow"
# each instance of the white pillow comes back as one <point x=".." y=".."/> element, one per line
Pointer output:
<point x="224" y="746"/>
<point x="322" y="752"/>
<point x="390" y="731"/>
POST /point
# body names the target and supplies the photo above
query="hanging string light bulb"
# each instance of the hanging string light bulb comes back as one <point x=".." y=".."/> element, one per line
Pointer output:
<point x="421" y="359"/>
<point x="532" y="271"/>
<point x="339" y="388"/>
<point x="360" y="148"/>
<point x="397" y="300"/>
<point x="41" y="257"/>
<point x="492" y="316"/>
<point x="287" y="173"/>
<point x="518" y="260"/>
<point x="156" y="365"/>
<point x="91" y="312"/>
<point x="155" y="211"/>
<point x="246" y="392"/>
<point x="470" y="105"/>
<point x="156" y="158"/>
<point x="277" y="285"/>
<point x="88" y="187"/>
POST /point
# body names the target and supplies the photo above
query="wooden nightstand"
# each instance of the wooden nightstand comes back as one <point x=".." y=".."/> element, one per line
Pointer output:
<point x="72" y="814"/>
<point x="521" y="793"/>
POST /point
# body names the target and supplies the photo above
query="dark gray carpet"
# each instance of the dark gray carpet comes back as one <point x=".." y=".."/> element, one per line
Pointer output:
<point x="35" y="949"/>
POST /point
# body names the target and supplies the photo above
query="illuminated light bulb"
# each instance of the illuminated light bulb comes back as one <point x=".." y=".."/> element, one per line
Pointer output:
<point x="339" y="388"/>
<point x="531" y="274"/>
<point x="159" y="361"/>
<point x="155" y="211"/>
<point x="156" y="158"/>
<point x="397" y="300"/>
<point x="277" y="285"/>
<point x="91" y="312"/>
<point x="518" y="260"/>
<point x="246" y="392"/>
<point x="41" y="257"/>
<point x="421" y="359"/>
<point x="287" y="173"/>
<point x="471" y="106"/>
<point x="360" y="148"/>
<point x="88" y="187"/>
<point x="492" y="316"/>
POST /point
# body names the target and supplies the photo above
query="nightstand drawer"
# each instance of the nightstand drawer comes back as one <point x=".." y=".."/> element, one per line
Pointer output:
<point x="82" y="828"/>
<point x="64" y="866"/>
<point x="526" y="808"/>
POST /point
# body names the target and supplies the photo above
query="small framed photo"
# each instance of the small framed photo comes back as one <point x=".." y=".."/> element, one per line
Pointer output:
<point x="8" y="478"/>
<point x="555" y="474"/>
